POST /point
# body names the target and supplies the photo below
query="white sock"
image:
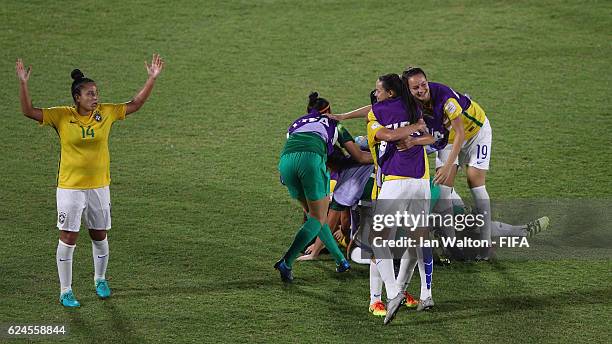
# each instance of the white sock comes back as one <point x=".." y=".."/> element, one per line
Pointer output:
<point x="63" y="257"/>
<point x="376" y="283"/>
<point x="385" y="268"/>
<point x="500" y="229"/>
<point x="407" y="264"/>
<point x="425" y="293"/>
<point x="483" y="206"/>
<point x="100" y="258"/>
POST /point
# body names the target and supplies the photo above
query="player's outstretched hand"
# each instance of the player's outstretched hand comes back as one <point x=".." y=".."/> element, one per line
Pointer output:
<point x="156" y="66"/>
<point x="339" y="117"/>
<point x="309" y="249"/>
<point x="307" y="257"/>
<point x="338" y="235"/>
<point x="443" y="174"/>
<point x="22" y="73"/>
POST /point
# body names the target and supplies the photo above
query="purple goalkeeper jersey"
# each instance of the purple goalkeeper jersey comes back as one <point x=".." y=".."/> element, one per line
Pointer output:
<point x="392" y="114"/>
<point x="314" y="122"/>
<point x="436" y="120"/>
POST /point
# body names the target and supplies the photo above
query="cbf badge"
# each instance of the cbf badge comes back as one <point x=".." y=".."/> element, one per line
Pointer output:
<point x="61" y="218"/>
<point x="97" y="116"/>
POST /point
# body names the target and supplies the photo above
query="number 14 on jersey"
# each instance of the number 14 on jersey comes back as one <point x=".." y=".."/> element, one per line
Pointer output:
<point x="87" y="132"/>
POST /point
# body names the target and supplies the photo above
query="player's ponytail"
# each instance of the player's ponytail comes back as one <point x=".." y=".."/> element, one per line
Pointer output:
<point x="317" y="103"/>
<point x="79" y="80"/>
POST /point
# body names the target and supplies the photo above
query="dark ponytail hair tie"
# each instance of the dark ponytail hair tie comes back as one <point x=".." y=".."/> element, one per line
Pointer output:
<point x="77" y="75"/>
<point x="319" y="104"/>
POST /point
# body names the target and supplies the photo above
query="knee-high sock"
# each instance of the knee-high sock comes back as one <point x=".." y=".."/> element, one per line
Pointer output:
<point x="376" y="283"/>
<point x="425" y="261"/>
<point x="500" y="229"/>
<point x="407" y="264"/>
<point x="307" y="232"/>
<point x="100" y="257"/>
<point x="63" y="257"/>
<point x="483" y="206"/>
<point x="328" y="240"/>
<point x="385" y="268"/>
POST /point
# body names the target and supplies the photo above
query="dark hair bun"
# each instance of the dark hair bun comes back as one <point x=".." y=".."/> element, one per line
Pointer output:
<point x="313" y="96"/>
<point x="77" y="74"/>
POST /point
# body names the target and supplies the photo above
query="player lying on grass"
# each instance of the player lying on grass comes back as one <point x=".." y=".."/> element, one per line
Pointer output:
<point x="498" y="229"/>
<point x="310" y="139"/>
<point x="84" y="168"/>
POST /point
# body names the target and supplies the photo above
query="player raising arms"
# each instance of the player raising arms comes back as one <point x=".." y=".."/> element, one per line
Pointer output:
<point x="310" y="139"/>
<point x="456" y="119"/>
<point x="84" y="168"/>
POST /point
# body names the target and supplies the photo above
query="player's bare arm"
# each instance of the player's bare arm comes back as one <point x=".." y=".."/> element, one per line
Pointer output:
<point x="386" y="134"/>
<point x="357" y="154"/>
<point x="153" y="70"/>
<point x="361" y="112"/>
<point x="409" y="142"/>
<point x="27" y="108"/>
<point x="444" y="172"/>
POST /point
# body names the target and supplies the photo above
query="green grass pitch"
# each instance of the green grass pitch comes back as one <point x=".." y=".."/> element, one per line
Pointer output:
<point x="199" y="217"/>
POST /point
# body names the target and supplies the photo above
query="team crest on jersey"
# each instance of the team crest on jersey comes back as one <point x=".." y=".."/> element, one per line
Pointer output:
<point x="450" y="107"/>
<point x="97" y="116"/>
<point x="61" y="217"/>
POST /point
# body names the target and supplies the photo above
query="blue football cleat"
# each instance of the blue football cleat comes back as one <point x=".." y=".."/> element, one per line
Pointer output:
<point x="343" y="266"/>
<point x="102" y="289"/>
<point x="67" y="300"/>
<point x="285" y="272"/>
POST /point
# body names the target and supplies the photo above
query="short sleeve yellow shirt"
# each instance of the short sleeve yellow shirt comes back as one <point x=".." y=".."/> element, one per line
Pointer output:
<point x="85" y="159"/>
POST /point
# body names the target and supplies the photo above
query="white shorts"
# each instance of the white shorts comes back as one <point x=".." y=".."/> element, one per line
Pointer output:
<point x="93" y="204"/>
<point x="404" y="195"/>
<point x="476" y="152"/>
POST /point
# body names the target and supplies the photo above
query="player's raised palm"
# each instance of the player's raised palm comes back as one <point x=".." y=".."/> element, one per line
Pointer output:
<point x="22" y="73"/>
<point x="156" y="66"/>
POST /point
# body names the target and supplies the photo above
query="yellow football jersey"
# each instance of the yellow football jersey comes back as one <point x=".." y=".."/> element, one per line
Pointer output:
<point x="84" y="160"/>
<point x="473" y="118"/>
<point x="372" y="128"/>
